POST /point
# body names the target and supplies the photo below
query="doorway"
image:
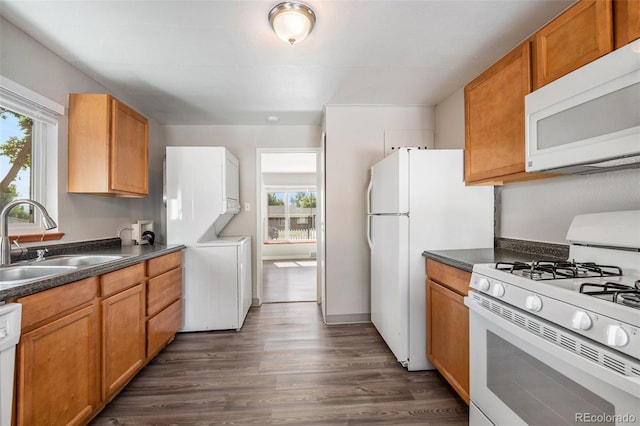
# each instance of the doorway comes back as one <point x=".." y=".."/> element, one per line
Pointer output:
<point x="287" y="225"/>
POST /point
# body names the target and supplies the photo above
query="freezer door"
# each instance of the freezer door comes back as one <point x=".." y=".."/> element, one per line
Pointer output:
<point x="389" y="186"/>
<point x="390" y="281"/>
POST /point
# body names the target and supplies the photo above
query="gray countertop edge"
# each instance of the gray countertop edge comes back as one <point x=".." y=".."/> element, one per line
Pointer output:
<point x="133" y="255"/>
<point x="505" y="250"/>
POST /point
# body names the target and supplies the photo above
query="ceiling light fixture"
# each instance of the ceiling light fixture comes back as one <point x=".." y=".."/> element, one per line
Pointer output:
<point x="292" y="21"/>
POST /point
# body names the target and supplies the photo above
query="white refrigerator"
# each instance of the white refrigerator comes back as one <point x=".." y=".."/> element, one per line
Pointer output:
<point x="417" y="200"/>
<point x="202" y="195"/>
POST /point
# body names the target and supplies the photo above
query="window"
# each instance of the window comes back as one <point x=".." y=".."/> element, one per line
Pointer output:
<point x="28" y="154"/>
<point x="291" y="215"/>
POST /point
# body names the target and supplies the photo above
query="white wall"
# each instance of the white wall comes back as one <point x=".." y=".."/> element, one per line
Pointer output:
<point x="542" y="210"/>
<point x="80" y="217"/>
<point x="355" y="142"/>
<point x="449" y="133"/>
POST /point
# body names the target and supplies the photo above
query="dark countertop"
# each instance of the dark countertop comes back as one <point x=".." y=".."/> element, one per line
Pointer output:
<point x="465" y="259"/>
<point x="505" y="251"/>
<point x="133" y="254"/>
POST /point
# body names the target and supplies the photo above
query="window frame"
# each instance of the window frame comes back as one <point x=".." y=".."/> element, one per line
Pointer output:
<point x="286" y="189"/>
<point x="44" y="156"/>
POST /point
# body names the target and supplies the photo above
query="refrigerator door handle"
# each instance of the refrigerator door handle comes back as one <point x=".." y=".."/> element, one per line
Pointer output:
<point x="369" y="188"/>
<point x="369" y="241"/>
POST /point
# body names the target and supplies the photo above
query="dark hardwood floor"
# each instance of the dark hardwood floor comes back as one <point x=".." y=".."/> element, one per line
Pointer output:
<point x="283" y="367"/>
<point x="289" y="280"/>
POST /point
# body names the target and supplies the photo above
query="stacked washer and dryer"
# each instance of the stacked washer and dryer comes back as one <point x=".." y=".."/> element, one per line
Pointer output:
<point x="202" y="195"/>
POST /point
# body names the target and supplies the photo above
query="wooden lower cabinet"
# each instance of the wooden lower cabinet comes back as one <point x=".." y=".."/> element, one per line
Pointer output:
<point x="83" y="342"/>
<point x="164" y="303"/>
<point x="58" y="371"/>
<point x="162" y="328"/>
<point x="448" y="324"/>
<point x="123" y="339"/>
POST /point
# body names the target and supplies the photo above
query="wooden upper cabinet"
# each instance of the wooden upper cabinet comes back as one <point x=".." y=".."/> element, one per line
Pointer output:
<point x="108" y="147"/>
<point x="494" y="120"/>
<point x="626" y="21"/>
<point x="581" y="34"/>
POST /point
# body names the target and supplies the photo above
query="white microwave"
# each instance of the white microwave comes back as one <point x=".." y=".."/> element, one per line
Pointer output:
<point x="588" y="120"/>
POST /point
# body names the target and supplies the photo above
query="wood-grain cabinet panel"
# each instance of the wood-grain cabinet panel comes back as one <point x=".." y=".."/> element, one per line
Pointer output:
<point x="120" y="280"/>
<point x="107" y="147"/>
<point x="626" y="22"/>
<point x="453" y="278"/>
<point x="158" y="265"/>
<point x="448" y="324"/>
<point x="58" y="371"/>
<point x="123" y="339"/>
<point x="448" y="343"/>
<point x="129" y="150"/>
<point x="581" y="34"/>
<point x="162" y="328"/>
<point x="163" y="290"/>
<point x="45" y="305"/>
<point x="494" y="120"/>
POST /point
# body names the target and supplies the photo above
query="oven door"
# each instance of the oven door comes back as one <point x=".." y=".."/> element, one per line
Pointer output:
<point x="518" y="377"/>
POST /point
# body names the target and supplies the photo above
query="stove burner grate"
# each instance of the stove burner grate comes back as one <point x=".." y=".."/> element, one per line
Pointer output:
<point x="627" y="295"/>
<point x="549" y="269"/>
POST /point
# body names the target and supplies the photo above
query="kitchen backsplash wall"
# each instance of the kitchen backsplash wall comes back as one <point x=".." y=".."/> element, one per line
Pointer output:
<point x="542" y="210"/>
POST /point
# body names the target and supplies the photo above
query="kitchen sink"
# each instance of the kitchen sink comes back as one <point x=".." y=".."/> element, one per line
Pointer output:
<point x="11" y="275"/>
<point x="76" y="260"/>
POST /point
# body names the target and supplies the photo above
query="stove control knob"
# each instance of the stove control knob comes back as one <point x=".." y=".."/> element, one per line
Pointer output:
<point x="483" y="284"/>
<point x="498" y="290"/>
<point x="581" y="321"/>
<point x="533" y="303"/>
<point x="616" y="336"/>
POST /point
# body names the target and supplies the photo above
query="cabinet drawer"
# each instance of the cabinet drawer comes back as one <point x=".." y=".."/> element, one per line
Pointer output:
<point x="453" y="278"/>
<point x="164" y="263"/>
<point x="122" y="279"/>
<point x="47" y="304"/>
<point x="163" y="289"/>
<point x="162" y="327"/>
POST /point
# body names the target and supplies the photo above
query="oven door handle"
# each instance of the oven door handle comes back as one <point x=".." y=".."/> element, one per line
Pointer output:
<point x="628" y="384"/>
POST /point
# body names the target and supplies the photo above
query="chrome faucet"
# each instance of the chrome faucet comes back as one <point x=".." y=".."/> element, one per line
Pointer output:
<point x="5" y="244"/>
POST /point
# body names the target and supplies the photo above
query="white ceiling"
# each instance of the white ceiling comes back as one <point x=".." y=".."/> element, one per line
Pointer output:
<point x="218" y="62"/>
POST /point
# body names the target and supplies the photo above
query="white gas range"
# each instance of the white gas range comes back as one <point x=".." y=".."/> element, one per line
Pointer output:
<point x="559" y="342"/>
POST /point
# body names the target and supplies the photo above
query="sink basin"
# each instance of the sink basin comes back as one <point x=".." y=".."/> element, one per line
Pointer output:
<point x="77" y="260"/>
<point x="18" y="274"/>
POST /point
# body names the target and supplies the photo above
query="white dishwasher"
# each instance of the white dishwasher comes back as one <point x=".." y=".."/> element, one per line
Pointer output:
<point x="10" y="317"/>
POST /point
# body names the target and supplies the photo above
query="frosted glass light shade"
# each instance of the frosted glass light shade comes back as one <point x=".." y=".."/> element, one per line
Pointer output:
<point x="291" y="21"/>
